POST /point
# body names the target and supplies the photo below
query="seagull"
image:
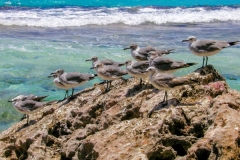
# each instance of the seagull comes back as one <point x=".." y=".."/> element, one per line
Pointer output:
<point x="95" y="60"/>
<point x="167" y="65"/>
<point x="152" y="55"/>
<point x="109" y="73"/>
<point x="58" y="84"/>
<point x="137" y="69"/>
<point x="28" y="104"/>
<point x="72" y="79"/>
<point x="166" y="81"/>
<point x="206" y="48"/>
<point x="141" y="54"/>
<point x="32" y="97"/>
<point x="161" y="52"/>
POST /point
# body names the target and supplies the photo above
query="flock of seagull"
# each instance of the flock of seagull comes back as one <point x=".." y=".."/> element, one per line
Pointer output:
<point x="149" y="63"/>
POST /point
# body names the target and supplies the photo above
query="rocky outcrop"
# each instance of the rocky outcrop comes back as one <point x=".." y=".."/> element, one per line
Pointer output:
<point x="200" y="121"/>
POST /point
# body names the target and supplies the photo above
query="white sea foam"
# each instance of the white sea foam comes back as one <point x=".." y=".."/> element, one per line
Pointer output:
<point x="65" y="17"/>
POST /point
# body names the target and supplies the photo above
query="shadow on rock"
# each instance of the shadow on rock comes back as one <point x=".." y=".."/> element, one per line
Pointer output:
<point x="69" y="99"/>
<point x="137" y="89"/>
<point x="165" y="104"/>
<point x="168" y="103"/>
<point x="32" y="122"/>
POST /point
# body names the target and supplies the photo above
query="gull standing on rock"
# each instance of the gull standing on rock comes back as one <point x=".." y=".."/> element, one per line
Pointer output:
<point x="32" y="97"/>
<point x="95" y="60"/>
<point x="152" y="55"/>
<point x="58" y="84"/>
<point x="72" y="79"/>
<point x="166" y="82"/>
<point x="167" y="65"/>
<point x="161" y="52"/>
<point x="141" y="54"/>
<point x="28" y="104"/>
<point x="109" y="73"/>
<point x="137" y="69"/>
<point x="206" y="48"/>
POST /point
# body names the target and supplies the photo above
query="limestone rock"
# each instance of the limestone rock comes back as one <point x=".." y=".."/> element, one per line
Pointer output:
<point x="200" y="121"/>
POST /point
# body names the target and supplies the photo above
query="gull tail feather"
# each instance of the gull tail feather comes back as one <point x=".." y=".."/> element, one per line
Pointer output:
<point x="233" y="43"/>
<point x="40" y="98"/>
<point x="93" y="76"/>
<point x="189" y="64"/>
<point x="50" y="102"/>
<point x="170" y="51"/>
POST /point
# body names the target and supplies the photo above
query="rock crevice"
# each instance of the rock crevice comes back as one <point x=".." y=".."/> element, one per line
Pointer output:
<point x="200" y="121"/>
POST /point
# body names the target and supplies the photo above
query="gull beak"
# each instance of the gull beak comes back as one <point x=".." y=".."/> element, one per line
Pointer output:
<point x="10" y="101"/>
<point x="185" y="40"/>
<point x="88" y="59"/>
<point x="126" y="48"/>
<point x="50" y="76"/>
<point x="53" y="73"/>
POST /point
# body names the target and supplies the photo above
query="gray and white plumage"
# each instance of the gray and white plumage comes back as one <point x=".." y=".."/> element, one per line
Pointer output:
<point x="109" y="73"/>
<point x="152" y="55"/>
<point x="166" y="82"/>
<point x="28" y="104"/>
<point x="141" y="54"/>
<point x="31" y="97"/>
<point x="161" y="52"/>
<point x="207" y="48"/>
<point x="96" y="60"/>
<point x="137" y="69"/>
<point x="25" y="105"/>
<point x="72" y="79"/>
<point x="58" y="84"/>
<point x="167" y="65"/>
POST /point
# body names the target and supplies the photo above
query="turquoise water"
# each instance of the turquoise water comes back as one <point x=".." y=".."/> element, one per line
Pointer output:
<point x="115" y="3"/>
<point x="38" y="37"/>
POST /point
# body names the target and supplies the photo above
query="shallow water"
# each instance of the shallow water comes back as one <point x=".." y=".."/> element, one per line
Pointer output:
<point x="30" y="54"/>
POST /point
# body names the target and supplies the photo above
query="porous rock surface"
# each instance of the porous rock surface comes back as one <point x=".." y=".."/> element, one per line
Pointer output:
<point x="201" y="121"/>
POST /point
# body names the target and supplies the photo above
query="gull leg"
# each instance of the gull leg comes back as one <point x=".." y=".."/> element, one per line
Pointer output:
<point x="24" y="117"/>
<point x="66" y="94"/>
<point x="203" y="62"/>
<point x="72" y="92"/>
<point x="160" y="105"/>
<point x="206" y="61"/>
<point x="140" y="84"/>
<point x="107" y="85"/>
<point x="165" y="97"/>
<point x="103" y="82"/>
<point x="68" y="99"/>
<point x="27" y="119"/>
<point x="110" y="82"/>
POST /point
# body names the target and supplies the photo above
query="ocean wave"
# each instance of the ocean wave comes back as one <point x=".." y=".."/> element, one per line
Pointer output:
<point x="76" y="16"/>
